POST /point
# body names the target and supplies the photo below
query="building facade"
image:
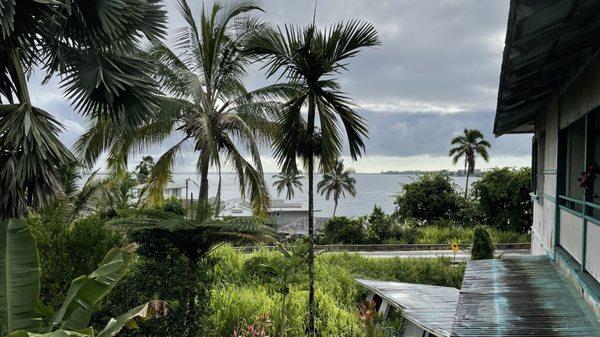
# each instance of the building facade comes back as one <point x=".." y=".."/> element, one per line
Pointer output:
<point x="550" y="87"/>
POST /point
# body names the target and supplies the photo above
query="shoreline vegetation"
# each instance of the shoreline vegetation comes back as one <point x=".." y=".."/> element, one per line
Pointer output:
<point x="451" y="173"/>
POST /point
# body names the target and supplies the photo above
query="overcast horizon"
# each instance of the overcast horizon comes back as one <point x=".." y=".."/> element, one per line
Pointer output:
<point x="436" y="73"/>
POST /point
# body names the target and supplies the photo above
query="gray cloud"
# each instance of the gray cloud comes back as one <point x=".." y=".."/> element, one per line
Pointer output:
<point x="436" y="73"/>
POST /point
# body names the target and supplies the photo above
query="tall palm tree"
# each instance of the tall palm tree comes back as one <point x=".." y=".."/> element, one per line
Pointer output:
<point x="288" y="181"/>
<point x="469" y="145"/>
<point x="337" y="181"/>
<point x="90" y="48"/>
<point x="205" y="106"/>
<point x="309" y="59"/>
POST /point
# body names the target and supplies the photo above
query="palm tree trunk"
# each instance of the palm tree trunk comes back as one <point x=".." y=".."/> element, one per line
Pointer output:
<point x="467" y="174"/>
<point x="201" y="212"/>
<point x="311" y="234"/>
<point x="335" y="203"/>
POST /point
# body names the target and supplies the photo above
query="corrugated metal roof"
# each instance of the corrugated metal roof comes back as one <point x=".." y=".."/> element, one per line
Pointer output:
<point x="520" y="297"/>
<point x="430" y="307"/>
<point x="547" y="44"/>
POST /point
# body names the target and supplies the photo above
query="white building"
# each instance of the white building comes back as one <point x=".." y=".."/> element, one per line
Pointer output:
<point x="172" y="189"/>
<point x="283" y="213"/>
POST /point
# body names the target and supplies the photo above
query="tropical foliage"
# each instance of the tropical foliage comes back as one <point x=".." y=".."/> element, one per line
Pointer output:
<point x="430" y="197"/>
<point x="192" y="238"/>
<point x="503" y="199"/>
<point x="337" y="181"/>
<point x="20" y="284"/>
<point x="92" y="49"/>
<point x="309" y="59"/>
<point x="289" y="181"/>
<point x="469" y="145"/>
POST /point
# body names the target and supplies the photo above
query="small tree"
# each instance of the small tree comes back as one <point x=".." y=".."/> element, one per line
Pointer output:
<point x="380" y="225"/>
<point x="503" y="198"/>
<point x="432" y="196"/>
<point x="482" y="248"/>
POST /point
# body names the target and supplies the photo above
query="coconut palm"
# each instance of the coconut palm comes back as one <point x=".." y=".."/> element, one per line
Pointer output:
<point x="288" y="181"/>
<point x="205" y="106"/>
<point x="91" y="49"/>
<point x="337" y="182"/>
<point x="469" y="145"/>
<point x="309" y="59"/>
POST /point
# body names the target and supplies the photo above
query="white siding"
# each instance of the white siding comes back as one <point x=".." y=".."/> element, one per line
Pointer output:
<point x="592" y="261"/>
<point x="571" y="234"/>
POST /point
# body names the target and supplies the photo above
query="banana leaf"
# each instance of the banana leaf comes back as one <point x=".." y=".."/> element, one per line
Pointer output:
<point x="130" y="319"/>
<point x="87" y="292"/>
<point x="19" y="278"/>
<point x="89" y="332"/>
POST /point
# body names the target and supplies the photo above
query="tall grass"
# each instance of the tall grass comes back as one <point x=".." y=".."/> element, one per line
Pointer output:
<point x="461" y="235"/>
<point x="239" y="296"/>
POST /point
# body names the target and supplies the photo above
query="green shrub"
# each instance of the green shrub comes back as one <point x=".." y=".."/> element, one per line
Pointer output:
<point x="173" y="205"/>
<point x="431" y="197"/>
<point x="68" y="251"/>
<point x="343" y="230"/>
<point x="503" y="199"/>
<point x="379" y="226"/>
<point x="482" y="247"/>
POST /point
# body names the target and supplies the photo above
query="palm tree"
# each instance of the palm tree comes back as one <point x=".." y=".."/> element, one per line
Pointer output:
<point x="92" y="50"/>
<point x="469" y="145"/>
<point x="144" y="168"/>
<point x="309" y="59"/>
<point x="288" y="180"/>
<point x="205" y="105"/>
<point x="338" y="181"/>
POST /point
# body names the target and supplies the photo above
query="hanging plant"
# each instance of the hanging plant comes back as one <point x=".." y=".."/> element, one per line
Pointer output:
<point x="587" y="177"/>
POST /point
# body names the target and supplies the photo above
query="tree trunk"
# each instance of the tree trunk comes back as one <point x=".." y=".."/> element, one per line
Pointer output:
<point x="335" y="203"/>
<point x="467" y="185"/>
<point x="201" y="212"/>
<point x="283" y="310"/>
<point x="467" y="174"/>
<point x="311" y="234"/>
<point x="190" y="320"/>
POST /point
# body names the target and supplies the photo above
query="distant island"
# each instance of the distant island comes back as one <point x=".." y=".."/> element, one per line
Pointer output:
<point x="457" y="173"/>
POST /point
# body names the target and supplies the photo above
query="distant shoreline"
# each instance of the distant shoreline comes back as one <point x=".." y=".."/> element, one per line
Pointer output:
<point x="457" y="173"/>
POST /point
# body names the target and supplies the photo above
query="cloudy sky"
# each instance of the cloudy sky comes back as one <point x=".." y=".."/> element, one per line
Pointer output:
<point x="436" y="73"/>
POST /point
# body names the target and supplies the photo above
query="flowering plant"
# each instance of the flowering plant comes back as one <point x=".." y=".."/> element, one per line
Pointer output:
<point x="587" y="177"/>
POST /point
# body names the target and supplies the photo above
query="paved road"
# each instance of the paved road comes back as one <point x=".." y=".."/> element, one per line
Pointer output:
<point x="460" y="256"/>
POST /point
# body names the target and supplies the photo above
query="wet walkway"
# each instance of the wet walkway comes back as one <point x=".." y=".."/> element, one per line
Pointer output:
<point x="520" y="297"/>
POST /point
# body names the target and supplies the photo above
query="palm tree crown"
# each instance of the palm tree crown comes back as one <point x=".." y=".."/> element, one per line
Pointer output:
<point x="288" y="180"/>
<point x="469" y="145"/>
<point x="337" y="182"/>
<point x="205" y="105"/>
<point x="92" y="49"/>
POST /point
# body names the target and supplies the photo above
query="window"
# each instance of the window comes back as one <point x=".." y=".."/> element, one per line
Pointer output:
<point x="575" y="156"/>
<point x="537" y="165"/>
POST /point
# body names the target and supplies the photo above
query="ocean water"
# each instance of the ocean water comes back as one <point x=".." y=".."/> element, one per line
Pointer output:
<point x="372" y="189"/>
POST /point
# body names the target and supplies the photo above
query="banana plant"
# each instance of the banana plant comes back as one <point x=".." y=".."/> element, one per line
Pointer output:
<point x="20" y="288"/>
